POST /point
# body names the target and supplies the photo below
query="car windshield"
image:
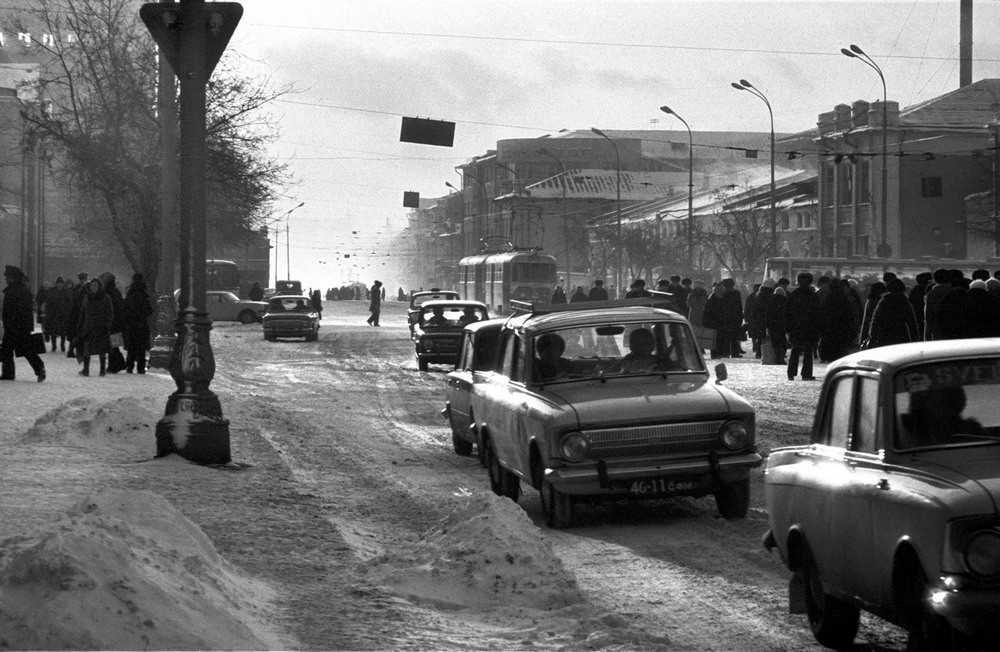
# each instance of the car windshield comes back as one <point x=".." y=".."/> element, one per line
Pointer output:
<point x="289" y="304"/>
<point x="948" y="404"/>
<point x="615" y="350"/>
<point x="451" y="317"/>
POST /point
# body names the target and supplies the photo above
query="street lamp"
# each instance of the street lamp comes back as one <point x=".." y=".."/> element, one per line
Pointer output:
<point x="284" y="216"/>
<point x="883" y="250"/>
<point x="690" y="226"/>
<point x="562" y="181"/>
<point x="744" y="85"/>
<point x="618" y="207"/>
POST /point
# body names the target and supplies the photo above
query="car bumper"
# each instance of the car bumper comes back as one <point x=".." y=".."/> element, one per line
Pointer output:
<point x="970" y="610"/>
<point x="695" y="476"/>
<point x="288" y="330"/>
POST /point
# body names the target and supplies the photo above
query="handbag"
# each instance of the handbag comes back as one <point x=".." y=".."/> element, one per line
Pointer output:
<point x="768" y="355"/>
<point x="34" y="343"/>
<point x="117" y="340"/>
<point x="706" y="338"/>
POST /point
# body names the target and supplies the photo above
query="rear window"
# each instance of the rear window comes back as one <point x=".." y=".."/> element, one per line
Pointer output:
<point x="948" y="404"/>
<point x="289" y="304"/>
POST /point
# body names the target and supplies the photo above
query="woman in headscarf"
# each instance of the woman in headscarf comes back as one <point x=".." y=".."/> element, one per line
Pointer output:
<point x="94" y="336"/>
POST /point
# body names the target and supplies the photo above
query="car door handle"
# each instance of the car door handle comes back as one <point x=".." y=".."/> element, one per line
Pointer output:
<point x="882" y="484"/>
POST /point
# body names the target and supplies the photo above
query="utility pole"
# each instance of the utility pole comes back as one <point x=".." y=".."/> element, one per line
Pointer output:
<point x="192" y="37"/>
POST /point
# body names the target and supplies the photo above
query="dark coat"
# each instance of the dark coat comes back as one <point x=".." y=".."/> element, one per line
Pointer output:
<point x="597" y="293"/>
<point x="775" y="315"/>
<point x="57" y="309"/>
<point x="77" y="296"/>
<point x="714" y="315"/>
<point x="893" y="321"/>
<point x="578" y="296"/>
<point x="802" y="316"/>
<point x="984" y="314"/>
<point x="953" y="315"/>
<point x="117" y="303"/>
<point x="96" y="317"/>
<point x="18" y="310"/>
<point x="838" y="327"/>
<point x="558" y="296"/>
<point x="137" y="310"/>
<point x="732" y="304"/>
<point x="696" y="301"/>
<point x="756" y="313"/>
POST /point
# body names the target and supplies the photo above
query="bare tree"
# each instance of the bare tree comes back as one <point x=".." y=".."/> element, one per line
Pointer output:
<point x="96" y="111"/>
<point x="737" y="234"/>
<point x="983" y="222"/>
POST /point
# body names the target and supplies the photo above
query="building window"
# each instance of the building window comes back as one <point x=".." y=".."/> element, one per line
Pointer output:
<point x="784" y="221"/>
<point x="930" y="187"/>
<point x="828" y="185"/>
<point x="803" y="220"/>
<point x="845" y="185"/>
<point x="864" y="181"/>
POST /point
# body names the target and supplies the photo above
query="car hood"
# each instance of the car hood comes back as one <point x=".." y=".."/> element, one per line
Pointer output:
<point x="643" y="399"/>
<point x="976" y="471"/>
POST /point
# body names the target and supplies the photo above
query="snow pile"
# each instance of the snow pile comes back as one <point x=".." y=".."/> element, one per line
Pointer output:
<point x="122" y="427"/>
<point x="126" y="570"/>
<point x="487" y="552"/>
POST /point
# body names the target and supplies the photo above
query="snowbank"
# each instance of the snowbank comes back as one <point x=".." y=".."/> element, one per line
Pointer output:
<point x="487" y="552"/>
<point x="126" y="570"/>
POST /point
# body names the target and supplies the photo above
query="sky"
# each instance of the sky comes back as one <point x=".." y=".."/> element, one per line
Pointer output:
<point x="523" y="69"/>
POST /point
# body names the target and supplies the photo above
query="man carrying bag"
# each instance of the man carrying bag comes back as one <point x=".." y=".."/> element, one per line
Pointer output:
<point x="18" y="324"/>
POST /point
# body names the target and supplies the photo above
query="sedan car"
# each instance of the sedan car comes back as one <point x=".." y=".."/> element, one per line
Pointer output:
<point x="290" y="315"/>
<point x="613" y="403"/>
<point x="437" y="331"/>
<point x="478" y="355"/>
<point x="417" y="299"/>
<point x="226" y="306"/>
<point x="892" y="507"/>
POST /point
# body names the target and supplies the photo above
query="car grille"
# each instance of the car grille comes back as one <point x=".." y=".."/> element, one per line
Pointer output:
<point x="288" y="324"/>
<point x="661" y="439"/>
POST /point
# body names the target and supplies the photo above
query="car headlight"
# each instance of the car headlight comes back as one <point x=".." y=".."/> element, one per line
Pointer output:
<point x="982" y="554"/>
<point x="734" y="435"/>
<point x="427" y="345"/>
<point x="574" y="447"/>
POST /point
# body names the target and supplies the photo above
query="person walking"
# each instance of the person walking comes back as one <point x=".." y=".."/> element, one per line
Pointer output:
<point x="57" y="312"/>
<point x="753" y="320"/>
<point x="94" y="333"/>
<point x="638" y="290"/>
<point x="558" y="296"/>
<point x="75" y="312"/>
<point x="598" y="293"/>
<point x="18" y="318"/>
<point x="316" y="300"/>
<point x="697" y="298"/>
<point x="875" y="293"/>
<point x="137" y="309"/>
<point x="256" y="292"/>
<point x="802" y="316"/>
<point x="714" y="317"/>
<point x="893" y="321"/>
<point x="375" y="303"/>
<point x="116" y="361"/>
<point x="732" y="315"/>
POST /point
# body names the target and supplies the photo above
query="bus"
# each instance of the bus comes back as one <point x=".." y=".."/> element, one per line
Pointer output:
<point x="498" y="278"/>
<point x="222" y="275"/>
<point x="857" y="267"/>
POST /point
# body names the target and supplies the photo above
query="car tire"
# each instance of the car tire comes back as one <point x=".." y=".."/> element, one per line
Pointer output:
<point x="312" y="337"/>
<point x="834" y="623"/>
<point x="557" y="507"/>
<point x="270" y="338"/>
<point x="733" y="499"/>
<point x="247" y="317"/>
<point x="503" y="482"/>
<point x="461" y="446"/>
<point x="422" y="365"/>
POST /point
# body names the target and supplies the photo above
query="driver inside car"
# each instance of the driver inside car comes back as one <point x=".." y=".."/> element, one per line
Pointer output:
<point x="437" y="320"/>
<point x="640" y="357"/>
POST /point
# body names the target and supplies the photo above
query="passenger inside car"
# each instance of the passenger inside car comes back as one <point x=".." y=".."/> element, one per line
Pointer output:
<point x="468" y="316"/>
<point x="549" y="363"/>
<point x="640" y="357"/>
<point x="934" y="417"/>
<point x="437" y="320"/>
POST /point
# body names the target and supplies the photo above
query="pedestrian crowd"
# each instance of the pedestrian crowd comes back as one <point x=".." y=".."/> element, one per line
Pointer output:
<point x="83" y="319"/>
<point x="828" y="317"/>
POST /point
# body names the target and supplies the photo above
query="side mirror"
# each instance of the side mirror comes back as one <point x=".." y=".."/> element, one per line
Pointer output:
<point x="721" y="373"/>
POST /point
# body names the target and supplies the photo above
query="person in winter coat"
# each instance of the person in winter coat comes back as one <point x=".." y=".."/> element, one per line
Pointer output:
<point x="953" y="309"/>
<point x="137" y="309"/>
<point x="598" y="292"/>
<point x="893" y="321"/>
<point x="94" y="332"/>
<point x="18" y="318"/>
<point x="984" y="311"/>
<point x="57" y="307"/>
<point x="256" y="292"/>
<point x="316" y="301"/>
<point x="935" y="293"/>
<point x="802" y="318"/>
<point x="75" y="311"/>
<point x="840" y="323"/>
<point x="116" y="361"/>
<point x="753" y="319"/>
<point x="775" y="317"/>
<point x="916" y="297"/>
<point x="375" y="304"/>
<point x="558" y="296"/>
<point x="714" y="316"/>
<point x="732" y="303"/>
<point x="696" y="300"/>
<point x="875" y="292"/>
<point x="638" y="290"/>
<point x="578" y="295"/>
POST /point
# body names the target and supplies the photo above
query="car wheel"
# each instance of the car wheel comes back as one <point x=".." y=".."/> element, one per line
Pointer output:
<point x="733" y="499"/>
<point x="461" y="446"/>
<point x="270" y="338"/>
<point x="503" y="482"/>
<point x="247" y="317"/>
<point x="556" y="506"/>
<point x="422" y="365"/>
<point x="834" y="623"/>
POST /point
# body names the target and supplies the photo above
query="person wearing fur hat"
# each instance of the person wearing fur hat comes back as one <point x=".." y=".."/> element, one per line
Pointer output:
<point x="18" y="323"/>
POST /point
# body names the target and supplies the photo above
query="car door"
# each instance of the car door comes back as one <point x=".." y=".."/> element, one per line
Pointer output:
<point x="509" y="402"/>
<point x="459" y="381"/>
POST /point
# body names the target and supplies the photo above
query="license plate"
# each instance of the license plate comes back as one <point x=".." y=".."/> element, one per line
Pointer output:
<point x="664" y="486"/>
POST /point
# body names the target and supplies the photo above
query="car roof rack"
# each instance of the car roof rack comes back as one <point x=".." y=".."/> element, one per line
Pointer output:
<point x="657" y="300"/>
